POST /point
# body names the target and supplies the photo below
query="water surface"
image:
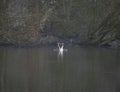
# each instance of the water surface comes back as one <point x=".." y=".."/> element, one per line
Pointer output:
<point x="83" y="69"/>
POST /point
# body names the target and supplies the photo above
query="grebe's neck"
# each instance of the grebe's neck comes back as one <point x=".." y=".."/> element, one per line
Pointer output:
<point x="60" y="45"/>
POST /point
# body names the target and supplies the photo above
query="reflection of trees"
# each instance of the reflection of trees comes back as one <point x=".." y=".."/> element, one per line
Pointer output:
<point x="58" y="76"/>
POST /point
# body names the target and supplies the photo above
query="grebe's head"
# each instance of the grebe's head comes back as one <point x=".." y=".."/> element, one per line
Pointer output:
<point x="60" y="44"/>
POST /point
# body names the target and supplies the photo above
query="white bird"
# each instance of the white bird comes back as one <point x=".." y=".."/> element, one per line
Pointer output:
<point x="60" y="50"/>
<point x="61" y="47"/>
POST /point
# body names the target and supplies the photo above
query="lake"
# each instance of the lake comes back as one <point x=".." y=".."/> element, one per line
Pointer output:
<point x="83" y="69"/>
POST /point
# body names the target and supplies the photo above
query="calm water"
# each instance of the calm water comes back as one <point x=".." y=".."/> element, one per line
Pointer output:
<point x="42" y="70"/>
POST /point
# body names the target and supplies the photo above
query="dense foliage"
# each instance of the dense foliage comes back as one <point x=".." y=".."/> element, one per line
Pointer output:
<point x="37" y="21"/>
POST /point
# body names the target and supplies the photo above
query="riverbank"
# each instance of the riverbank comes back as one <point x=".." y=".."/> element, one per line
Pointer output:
<point x="52" y="41"/>
<point x="67" y="44"/>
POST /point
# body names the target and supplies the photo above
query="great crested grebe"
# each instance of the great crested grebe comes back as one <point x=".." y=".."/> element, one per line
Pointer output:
<point x="60" y="46"/>
<point x="60" y="49"/>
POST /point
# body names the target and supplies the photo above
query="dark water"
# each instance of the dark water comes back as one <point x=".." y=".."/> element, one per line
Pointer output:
<point x="41" y="70"/>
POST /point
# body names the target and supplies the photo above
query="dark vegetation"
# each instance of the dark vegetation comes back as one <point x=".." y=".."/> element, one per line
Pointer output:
<point x="43" y="22"/>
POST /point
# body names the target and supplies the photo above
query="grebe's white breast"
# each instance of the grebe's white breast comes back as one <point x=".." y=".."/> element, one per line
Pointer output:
<point x="61" y="49"/>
